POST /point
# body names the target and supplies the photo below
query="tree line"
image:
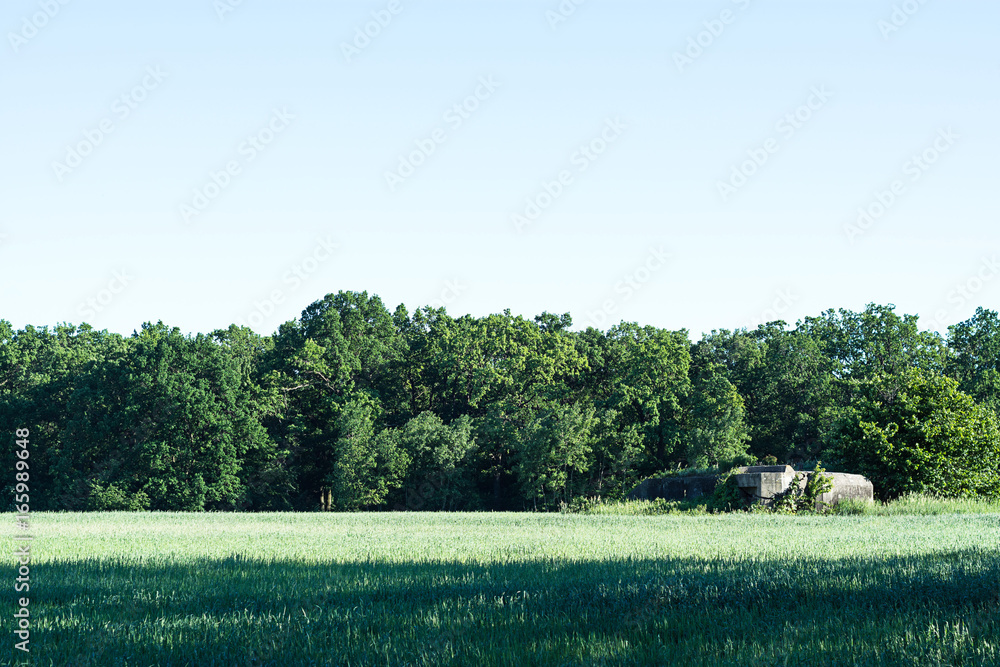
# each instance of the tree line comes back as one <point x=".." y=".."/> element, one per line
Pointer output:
<point x="354" y="407"/>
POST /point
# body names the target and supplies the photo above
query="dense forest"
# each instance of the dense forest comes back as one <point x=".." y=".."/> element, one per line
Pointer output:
<point x="352" y="406"/>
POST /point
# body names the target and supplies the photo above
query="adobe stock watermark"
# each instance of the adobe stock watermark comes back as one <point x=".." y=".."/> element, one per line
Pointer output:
<point x="32" y="25"/>
<point x="121" y="109"/>
<point x="94" y="305"/>
<point x="246" y="152"/>
<point x="899" y="17"/>
<point x="417" y="498"/>
<point x="913" y="169"/>
<point x="714" y="28"/>
<point x="964" y="291"/>
<point x="293" y="278"/>
<point x="453" y="289"/>
<point x="629" y="286"/>
<point x="455" y="116"/>
<point x="788" y="125"/>
<point x="562" y="12"/>
<point x="363" y="35"/>
<point x="22" y="551"/>
<point x="225" y="7"/>
<point x="783" y="300"/>
<point x="582" y="158"/>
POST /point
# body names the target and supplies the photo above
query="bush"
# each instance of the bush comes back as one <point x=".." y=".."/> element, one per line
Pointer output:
<point x="655" y="507"/>
<point x="112" y="498"/>
<point x="727" y="496"/>
<point x="721" y="469"/>
<point x="919" y="434"/>
<point x="797" y="498"/>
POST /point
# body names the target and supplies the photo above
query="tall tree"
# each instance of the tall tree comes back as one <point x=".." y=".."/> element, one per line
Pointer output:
<point x="975" y="360"/>
<point x="640" y="374"/>
<point x="441" y="472"/>
<point x="368" y="465"/>
<point x="166" y="422"/>
<point x="715" y="429"/>
<point x="919" y="433"/>
<point x="341" y="350"/>
<point x="876" y="342"/>
<point x="40" y="371"/>
<point x="553" y="446"/>
<point x="500" y="370"/>
<point x="267" y="481"/>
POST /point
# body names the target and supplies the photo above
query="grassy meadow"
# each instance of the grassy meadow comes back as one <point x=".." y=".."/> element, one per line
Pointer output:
<point x="513" y="589"/>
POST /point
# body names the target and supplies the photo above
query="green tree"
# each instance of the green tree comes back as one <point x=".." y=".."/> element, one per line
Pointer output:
<point x="168" y="419"/>
<point x="424" y="372"/>
<point x="617" y="455"/>
<point x="368" y="465"/>
<point x="715" y="431"/>
<point x="440" y="476"/>
<point x="267" y="481"/>
<point x="784" y="380"/>
<point x="499" y="370"/>
<point x="554" y="446"/>
<point x="875" y="343"/>
<point x="650" y="387"/>
<point x="637" y="381"/>
<point x="975" y="360"/>
<point x="798" y="388"/>
<point x="343" y="346"/>
<point x="40" y="371"/>
<point x="918" y="433"/>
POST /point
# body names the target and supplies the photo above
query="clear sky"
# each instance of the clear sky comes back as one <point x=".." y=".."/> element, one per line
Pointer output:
<point x="694" y="165"/>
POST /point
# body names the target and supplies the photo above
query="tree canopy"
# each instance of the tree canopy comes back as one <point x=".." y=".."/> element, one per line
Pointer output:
<point x="363" y="408"/>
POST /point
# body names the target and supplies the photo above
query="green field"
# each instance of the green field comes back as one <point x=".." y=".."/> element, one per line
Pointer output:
<point x="512" y="589"/>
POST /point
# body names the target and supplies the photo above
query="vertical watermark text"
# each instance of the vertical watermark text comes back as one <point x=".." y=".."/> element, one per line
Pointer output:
<point x="22" y="541"/>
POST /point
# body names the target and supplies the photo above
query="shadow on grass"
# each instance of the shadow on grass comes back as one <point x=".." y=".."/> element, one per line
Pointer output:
<point x="243" y="611"/>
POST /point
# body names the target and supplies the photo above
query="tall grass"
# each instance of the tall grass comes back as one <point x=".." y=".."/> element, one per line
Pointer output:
<point x="514" y="589"/>
<point x="654" y="507"/>
<point x="919" y="505"/>
<point x="910" y="505"/>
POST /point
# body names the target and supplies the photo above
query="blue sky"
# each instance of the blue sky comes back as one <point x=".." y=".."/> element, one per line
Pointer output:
<point x="694" y="165"/>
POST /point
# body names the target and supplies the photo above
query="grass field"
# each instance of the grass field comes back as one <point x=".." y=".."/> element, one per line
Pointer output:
<point x="512" y="589"/>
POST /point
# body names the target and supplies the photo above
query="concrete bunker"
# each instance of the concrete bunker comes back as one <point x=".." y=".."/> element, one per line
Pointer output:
<point x="760" y="484"/>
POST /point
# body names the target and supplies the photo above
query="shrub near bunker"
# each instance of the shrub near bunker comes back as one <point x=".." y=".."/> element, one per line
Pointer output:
<point x="919" y="433"/>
